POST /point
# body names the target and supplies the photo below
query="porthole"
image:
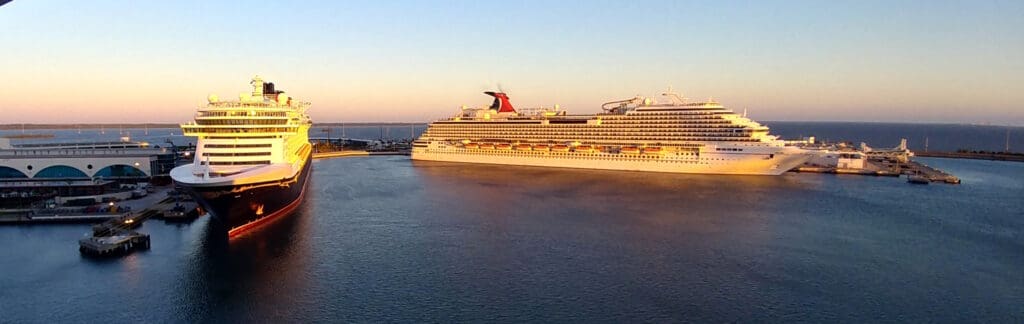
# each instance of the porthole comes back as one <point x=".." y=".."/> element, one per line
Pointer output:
<point x="29" y="167"/>
<point x="89" y="167"/>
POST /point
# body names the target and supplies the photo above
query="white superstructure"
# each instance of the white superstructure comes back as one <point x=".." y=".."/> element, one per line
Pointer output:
<point x="635" y="134"/>
<point x="261" y="137"/>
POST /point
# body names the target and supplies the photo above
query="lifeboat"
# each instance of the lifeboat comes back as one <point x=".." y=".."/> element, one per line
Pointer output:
<point x="487" y="146"/>
<point x="472" y="145"/>
<point x="504" y="146"/>
<point x="540" y="147"/>
<point x="601" y="148"/>
<point x="630" y="150"/>
<point x="584" y="149"/>
<point x="653" y="150"/>
<point x="560" y="148"/>
<point x="523" y="147"/>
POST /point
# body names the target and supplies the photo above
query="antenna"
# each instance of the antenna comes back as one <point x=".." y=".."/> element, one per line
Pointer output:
<point x="1007" y="149"/>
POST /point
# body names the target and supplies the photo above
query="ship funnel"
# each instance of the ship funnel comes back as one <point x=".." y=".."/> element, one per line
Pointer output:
<point x="268" y="88"/>
<point x="501" y="102"/>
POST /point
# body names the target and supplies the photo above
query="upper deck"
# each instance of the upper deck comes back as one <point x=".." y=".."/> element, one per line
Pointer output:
<point x="264" y="112"/>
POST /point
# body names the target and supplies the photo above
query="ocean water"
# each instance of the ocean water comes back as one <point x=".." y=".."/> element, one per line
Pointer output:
<point x="386" y="239"/>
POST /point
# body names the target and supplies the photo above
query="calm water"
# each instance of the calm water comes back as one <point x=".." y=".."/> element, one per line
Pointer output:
<point x="386" y="239"/>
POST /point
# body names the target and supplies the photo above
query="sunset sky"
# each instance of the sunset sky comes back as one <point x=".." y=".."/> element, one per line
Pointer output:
<point x="155" y="61"/>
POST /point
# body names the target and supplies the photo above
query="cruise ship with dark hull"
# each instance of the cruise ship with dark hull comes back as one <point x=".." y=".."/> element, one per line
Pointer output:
<point x="252" y="160"/>
<point x="238" y="208"/>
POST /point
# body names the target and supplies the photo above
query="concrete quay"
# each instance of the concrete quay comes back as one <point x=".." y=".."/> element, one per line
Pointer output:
<point x="326" y="155"/>
<point x="114" y="245"/>
<point x="923" y="171"/>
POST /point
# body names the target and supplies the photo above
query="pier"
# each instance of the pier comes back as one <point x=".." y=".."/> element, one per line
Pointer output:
<point x="871" y="168"/>
<point x="113" y="245"/>
<point x="843" y="158"/>
<point x="117" y="236"/>
<point x="976" y="155"/>
<point x="325" y="155"/>
<point x="920" y="171"/>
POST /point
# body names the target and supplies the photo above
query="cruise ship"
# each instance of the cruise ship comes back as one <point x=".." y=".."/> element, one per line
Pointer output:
<point x="637" y="134"/>
<point x="252" y="158"/>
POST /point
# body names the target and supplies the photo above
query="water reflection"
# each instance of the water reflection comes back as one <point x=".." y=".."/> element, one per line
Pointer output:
<point x="527" y="229"/>
<point x="232" y="279"/>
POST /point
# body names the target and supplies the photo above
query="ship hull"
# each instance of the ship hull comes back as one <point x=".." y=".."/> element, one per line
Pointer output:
<point x="240" y="207"/>
<point x="740" y="164"/>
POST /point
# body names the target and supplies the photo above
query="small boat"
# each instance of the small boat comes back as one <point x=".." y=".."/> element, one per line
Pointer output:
<point x="560" y="148"/>
<point x="584" y="149"/>
<point x="504" y="146"/>
<point x="918" y="179"/>
<point x="523" y="147"/>
<point x="653" y="150"/>
<point x="630" y="150"/>
<point x="472" y="145"/>
<point x="540" y="147"/>
<point x="486" y="146"/>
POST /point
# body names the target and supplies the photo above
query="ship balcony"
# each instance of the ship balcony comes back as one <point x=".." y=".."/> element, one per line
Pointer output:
<point x="234" y="105"/>
<point x="243" y="113"/>
<point x="240" y="122"/>
<point x="194" y="127"/>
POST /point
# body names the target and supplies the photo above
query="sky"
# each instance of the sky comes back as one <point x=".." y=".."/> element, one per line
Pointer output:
<point x="416" y="61"/>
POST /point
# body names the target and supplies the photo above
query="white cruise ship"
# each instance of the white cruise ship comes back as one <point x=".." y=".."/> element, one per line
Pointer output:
<point x="636" y="134"/>
<point x="252" y="158"/>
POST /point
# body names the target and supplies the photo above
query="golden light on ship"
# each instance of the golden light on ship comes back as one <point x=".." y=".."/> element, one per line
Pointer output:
<point x="635" y="134"/>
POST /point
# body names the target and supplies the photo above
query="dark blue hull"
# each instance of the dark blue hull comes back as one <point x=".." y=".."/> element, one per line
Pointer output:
<point x="238" y="208"/>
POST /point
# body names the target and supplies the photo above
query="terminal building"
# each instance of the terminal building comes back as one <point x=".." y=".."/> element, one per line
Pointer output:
<point x="31" y="172"/>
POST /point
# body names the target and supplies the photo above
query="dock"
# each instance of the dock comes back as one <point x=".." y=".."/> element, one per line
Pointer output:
<point x="975" y="155"/>
<point x="921" y="171"/>
<point x="117" y="236"/>
<point x="325" y="155"/>
<point x="113" y="245"/>
<point x="871" y="168"/>
<point x="28" y="218"/>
